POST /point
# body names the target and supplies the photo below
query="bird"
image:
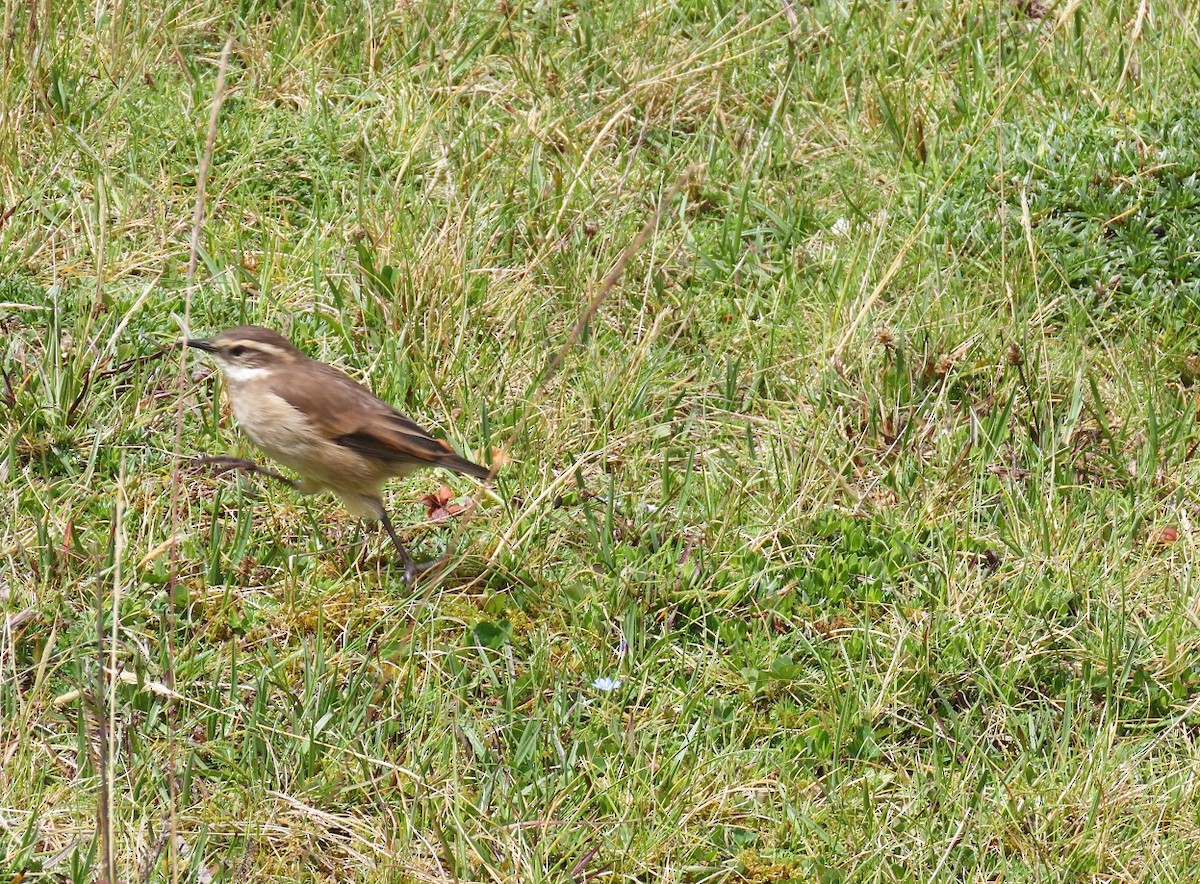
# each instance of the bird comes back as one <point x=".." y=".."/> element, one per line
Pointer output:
<point x="329" y="429"/>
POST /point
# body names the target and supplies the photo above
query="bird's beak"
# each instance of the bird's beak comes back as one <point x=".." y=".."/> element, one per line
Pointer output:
<point x="201" y="344"/>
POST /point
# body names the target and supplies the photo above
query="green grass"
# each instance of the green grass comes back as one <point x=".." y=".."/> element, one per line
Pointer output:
<point x="857" y="482"/>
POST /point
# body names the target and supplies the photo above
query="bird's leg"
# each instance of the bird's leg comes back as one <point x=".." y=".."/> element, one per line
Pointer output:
<point x="224" y="463"/>
<point x="412" y="570"/>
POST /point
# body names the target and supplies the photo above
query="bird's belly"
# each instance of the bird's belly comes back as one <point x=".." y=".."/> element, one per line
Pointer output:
<point x="287" y="436"/>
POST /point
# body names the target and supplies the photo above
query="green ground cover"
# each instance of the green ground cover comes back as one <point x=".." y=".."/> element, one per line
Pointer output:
<point x="853" y="541"/>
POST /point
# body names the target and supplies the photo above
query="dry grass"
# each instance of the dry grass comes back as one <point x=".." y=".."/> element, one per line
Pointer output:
<point x="849" y="540"/>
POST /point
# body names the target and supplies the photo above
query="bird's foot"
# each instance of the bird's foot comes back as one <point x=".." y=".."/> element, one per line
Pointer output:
<point x="414" y="571"/>
<point x="224" y="463"/>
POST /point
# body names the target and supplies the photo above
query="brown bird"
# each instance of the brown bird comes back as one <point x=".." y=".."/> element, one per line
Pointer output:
<point x="330" y="429"/>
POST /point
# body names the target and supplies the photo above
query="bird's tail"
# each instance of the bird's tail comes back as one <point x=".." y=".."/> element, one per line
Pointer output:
<point x="464" y="467"/>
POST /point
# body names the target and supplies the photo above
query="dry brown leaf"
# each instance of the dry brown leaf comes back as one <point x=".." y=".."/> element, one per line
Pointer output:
<point x="439" y="508"/>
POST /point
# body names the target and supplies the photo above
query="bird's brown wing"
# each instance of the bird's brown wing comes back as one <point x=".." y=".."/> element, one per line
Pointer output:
<point x="350" y="415"/>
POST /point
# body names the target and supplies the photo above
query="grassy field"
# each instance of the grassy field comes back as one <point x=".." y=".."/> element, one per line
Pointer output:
<point x="852" y="542"/>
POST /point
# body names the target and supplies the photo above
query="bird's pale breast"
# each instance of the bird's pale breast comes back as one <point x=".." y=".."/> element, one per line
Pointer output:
<point x="289" y="437"/>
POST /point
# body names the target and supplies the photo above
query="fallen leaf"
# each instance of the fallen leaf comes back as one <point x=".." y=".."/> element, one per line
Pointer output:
<point x="439" y="508"/>
<point x="1164" y="536"/>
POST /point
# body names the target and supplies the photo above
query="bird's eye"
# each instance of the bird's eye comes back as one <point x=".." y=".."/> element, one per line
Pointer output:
<point x="237" y="351"/>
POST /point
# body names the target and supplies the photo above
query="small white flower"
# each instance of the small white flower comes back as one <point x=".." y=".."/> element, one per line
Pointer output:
<point x="840" y="227"/>
<point x="606" y="684"/>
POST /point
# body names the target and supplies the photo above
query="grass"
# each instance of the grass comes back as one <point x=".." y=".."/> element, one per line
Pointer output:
<point x="852" y="542"/>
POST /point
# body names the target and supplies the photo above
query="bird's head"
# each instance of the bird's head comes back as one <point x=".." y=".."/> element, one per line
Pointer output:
<point x="247" y="351"/>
